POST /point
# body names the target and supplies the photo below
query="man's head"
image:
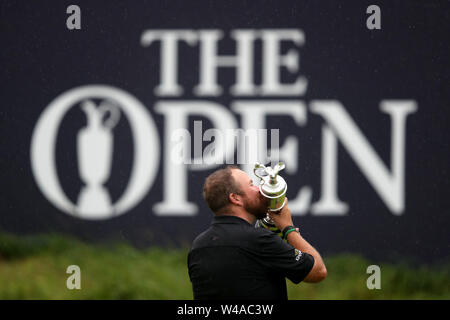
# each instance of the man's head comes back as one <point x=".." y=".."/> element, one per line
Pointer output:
<point x="231" y="190"/>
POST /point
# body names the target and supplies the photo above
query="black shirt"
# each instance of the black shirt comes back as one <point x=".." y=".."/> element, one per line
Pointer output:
<point x="234" y="260"/>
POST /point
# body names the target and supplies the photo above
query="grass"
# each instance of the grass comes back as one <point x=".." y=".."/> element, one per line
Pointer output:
<point x="34" y="267"/>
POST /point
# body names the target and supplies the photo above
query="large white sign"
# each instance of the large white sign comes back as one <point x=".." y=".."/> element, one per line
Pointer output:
<point x="95" y="143"/>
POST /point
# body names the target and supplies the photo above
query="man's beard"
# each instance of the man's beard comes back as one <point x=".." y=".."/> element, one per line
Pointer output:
<point x="258" y="207"/>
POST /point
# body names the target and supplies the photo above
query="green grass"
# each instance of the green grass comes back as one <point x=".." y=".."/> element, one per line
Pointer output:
<point x="34" y="267"/>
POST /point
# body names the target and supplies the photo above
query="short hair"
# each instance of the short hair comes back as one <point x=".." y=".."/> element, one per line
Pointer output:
<point x="218" y="185"/>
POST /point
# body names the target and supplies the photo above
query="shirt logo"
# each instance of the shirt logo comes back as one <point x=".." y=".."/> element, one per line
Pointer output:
<point x="298" y="254"/>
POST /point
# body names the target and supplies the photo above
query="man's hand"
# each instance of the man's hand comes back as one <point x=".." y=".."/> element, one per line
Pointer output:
<point x="282" y="218"/>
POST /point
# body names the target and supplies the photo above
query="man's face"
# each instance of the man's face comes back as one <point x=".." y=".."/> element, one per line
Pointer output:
<point x="254" y="202"/>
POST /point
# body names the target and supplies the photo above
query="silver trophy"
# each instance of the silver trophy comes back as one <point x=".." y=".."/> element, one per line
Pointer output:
<point x="273" y="187"/>
<point x="95" y="147"/>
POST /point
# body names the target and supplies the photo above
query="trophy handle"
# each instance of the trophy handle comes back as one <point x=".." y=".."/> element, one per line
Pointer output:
<point x="113" y="110"/>
<point x="90" y="111"/>
<point x="259" y="166"/>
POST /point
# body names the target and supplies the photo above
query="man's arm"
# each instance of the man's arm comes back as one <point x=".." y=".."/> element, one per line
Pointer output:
<point x="284" y="219"/>
<point x="319" y="271"/>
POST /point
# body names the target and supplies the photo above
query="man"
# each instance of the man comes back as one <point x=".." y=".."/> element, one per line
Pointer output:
<point x="233" y="259"/>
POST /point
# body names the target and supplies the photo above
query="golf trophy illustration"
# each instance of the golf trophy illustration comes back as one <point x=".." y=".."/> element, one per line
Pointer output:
<point x="94" y="149"/>
<point x="273" y="187"/>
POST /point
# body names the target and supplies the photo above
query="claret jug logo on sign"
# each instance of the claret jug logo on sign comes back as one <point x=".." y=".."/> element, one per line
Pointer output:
<point x="95" y="146"/>
<point x="103" y="105"/>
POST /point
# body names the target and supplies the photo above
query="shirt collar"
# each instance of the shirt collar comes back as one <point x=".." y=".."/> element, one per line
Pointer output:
<point x="228" y="219"/>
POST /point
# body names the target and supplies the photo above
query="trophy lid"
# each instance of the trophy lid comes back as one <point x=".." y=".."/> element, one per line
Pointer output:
<point x="261" y="171"/>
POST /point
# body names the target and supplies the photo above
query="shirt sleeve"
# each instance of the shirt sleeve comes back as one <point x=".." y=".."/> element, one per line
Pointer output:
<point x="283" y="258"/>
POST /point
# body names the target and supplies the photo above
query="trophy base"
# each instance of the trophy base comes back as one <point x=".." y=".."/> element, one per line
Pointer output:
<point x="94" y="203"/>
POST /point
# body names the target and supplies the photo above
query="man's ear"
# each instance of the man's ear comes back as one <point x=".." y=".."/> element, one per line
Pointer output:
<point x="235" y="199"/>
